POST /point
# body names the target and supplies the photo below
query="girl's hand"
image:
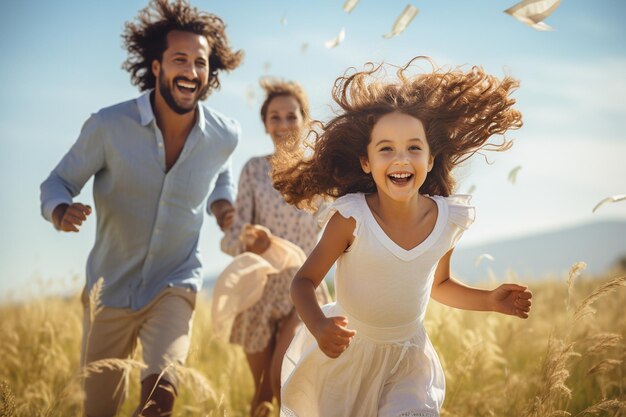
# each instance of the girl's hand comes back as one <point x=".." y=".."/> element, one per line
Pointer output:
<point x="256" y="238"/>
<point x="332" y="336"/>
<point x="511" y="299"/>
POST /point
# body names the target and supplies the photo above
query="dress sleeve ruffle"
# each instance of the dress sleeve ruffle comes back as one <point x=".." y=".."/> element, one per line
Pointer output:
<point x="348" y="206"/>
<point x="461" y="212"/>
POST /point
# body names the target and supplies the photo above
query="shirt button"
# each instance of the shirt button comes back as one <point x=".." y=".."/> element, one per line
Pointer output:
<point x="160" y="145"/>
<point x="157" y="231"/>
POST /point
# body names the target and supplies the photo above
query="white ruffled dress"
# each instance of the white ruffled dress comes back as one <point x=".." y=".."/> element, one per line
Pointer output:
<point x="390" y="368"/>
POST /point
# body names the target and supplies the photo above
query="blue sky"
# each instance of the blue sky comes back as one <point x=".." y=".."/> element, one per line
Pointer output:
<point x="62" y="61"/>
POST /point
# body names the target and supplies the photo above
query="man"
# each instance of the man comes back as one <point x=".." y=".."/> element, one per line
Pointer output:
<point x="156" y="161"/>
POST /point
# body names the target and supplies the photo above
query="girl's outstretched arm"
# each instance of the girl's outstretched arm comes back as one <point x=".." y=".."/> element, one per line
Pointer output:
<point x="512" y="299"/>
<point x="330" y="332"/>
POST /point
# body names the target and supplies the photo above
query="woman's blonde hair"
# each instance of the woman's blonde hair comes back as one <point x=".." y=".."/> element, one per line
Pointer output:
<point x="275" y="87"/>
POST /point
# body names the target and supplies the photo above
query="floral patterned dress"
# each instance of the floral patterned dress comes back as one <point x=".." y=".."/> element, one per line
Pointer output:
<point x="259" y="203"/>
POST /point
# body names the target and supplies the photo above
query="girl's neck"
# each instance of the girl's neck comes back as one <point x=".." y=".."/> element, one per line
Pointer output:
<point x="408" y="223"/>
<point x="390" y="210"/>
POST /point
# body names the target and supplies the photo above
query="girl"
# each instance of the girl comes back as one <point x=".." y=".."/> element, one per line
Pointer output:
<point x="266" y="329"/>
<point x="388" y="157"/>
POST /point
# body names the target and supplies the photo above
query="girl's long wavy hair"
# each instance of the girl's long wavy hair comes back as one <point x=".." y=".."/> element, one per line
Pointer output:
<point x="146" y="40"/>
<point x="460" y="111"/>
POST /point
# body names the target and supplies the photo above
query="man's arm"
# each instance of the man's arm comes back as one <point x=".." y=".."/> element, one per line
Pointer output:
<point x="244" y="212"/>
<point x="220" y="202"/>
<point x="84" y="159"/>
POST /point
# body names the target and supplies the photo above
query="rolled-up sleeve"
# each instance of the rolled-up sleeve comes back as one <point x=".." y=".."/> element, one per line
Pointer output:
<point x="244" y="212"/>
<point x="84" y="159"/>
<point x="224" y="187"/>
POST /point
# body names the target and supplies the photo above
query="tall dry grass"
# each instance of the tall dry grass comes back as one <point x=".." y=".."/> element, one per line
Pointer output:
<point x="567" y="359"/>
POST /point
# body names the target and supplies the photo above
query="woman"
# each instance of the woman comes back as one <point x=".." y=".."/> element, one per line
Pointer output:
<point x="266" y="329"/>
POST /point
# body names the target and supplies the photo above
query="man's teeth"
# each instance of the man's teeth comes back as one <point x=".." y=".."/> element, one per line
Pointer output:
<point x="190" y="86"/>
<point x="400" y="176"/>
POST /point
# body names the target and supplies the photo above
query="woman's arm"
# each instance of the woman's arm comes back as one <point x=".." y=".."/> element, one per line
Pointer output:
<point x="512" y="299"/>
<point x="332" y="336"/>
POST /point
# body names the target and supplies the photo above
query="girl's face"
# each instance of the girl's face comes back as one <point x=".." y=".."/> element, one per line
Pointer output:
<point x="283" y="118"/>
<point x="398" y="156"/>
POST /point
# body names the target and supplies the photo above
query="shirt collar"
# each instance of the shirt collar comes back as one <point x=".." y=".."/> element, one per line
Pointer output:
<point x="147" y="115"/>
<point x="145" y="108"/>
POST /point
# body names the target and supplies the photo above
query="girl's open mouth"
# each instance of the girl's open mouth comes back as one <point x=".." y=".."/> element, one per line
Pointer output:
<point x="400" y="177"/>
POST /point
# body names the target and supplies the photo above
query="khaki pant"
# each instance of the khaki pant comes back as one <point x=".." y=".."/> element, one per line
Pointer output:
<point x="164" y="329"/>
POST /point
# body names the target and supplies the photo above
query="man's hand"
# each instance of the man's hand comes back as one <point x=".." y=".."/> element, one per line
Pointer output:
<point x="224" y="213"/>
<point x="68" y="218"/>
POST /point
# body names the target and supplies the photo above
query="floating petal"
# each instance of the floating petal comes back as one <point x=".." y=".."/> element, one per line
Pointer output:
<point x="612" y="199"/>
<point x="533" y="12"/>
<point x="513" y="174"/>
<point x="334" y="42"/>
<point x="349" y="5"/>
<point x="402" y="21"/>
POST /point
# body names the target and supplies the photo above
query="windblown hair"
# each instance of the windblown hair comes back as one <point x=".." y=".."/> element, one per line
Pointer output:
<point x="460" y="111"/>
<point x="146" y="40"/>
<point x="275" y="87"/>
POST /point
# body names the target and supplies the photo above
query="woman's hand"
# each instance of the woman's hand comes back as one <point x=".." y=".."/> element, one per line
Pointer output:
<point x="511" y="299"/>
<point x="256" y="238"/>
<point x="332" y="336"/>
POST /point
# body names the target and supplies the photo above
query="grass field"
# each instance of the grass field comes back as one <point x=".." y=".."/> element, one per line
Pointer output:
<point x="567" y="359"/>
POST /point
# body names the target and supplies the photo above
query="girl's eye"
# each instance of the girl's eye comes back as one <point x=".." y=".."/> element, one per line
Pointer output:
<point x="415" y="148"/>
<point x="385" y="148"/>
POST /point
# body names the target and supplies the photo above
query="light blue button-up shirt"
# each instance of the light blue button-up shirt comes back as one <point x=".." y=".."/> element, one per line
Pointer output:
<point x="148" y="221"/>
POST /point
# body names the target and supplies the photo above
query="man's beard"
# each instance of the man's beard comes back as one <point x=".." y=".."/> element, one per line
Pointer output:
<point x="166" y="93"/>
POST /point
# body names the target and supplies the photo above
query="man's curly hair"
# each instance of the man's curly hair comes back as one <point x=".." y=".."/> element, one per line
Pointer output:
<point x="146" y="40"/>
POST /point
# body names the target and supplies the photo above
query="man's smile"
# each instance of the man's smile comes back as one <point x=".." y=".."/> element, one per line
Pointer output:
<point x="186" y="86"/>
